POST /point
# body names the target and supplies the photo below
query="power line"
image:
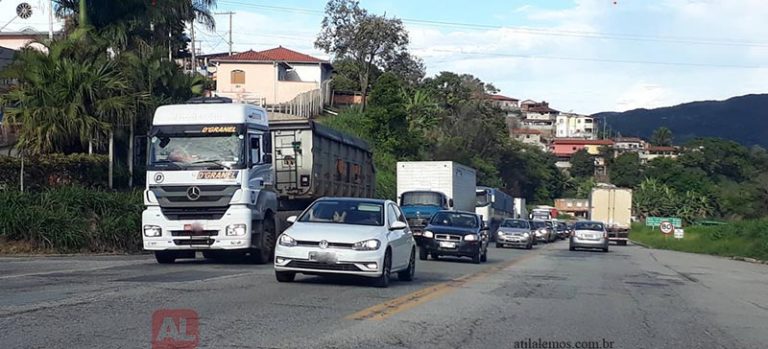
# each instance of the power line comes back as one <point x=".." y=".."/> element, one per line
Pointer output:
<point x="533" y="31"/>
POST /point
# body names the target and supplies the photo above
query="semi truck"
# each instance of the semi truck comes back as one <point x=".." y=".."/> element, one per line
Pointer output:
<point x="494" y="206"/>
<point x="425" y="187"/>
<point x="220" y="176"/>
<point x="612" y="206"/>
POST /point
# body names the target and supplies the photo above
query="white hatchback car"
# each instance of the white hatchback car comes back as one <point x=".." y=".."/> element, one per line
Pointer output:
<point x="354" y="236"/>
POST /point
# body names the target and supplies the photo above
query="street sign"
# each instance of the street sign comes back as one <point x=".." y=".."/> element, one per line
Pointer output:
<point x="656" y="221"/>
<point x="679" y="233"/>
<point x="666" y="227"/>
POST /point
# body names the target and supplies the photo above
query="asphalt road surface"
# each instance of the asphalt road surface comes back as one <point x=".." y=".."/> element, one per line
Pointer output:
<point x="631" y="297"/>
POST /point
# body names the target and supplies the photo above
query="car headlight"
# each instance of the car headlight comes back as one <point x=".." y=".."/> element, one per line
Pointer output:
<point x="526" y="235"/>
<point x="152" y="231"/>
<point x="471" y="237"/>
<point x="367" y="245"/>
<point x="236" y="230"/>
<point x="287" y="241"/>
<point x="428" y="234"/>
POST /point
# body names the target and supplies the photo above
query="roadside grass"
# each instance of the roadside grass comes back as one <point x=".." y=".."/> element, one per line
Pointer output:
<point x="747" y="238"/>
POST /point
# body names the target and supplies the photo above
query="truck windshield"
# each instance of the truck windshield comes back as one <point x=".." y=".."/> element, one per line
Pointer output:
<point x="186" y="151"/>
<point x="482" y="198"/>
<point x="421" y="198"/>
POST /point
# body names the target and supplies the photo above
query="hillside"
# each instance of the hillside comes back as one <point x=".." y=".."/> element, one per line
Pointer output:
<point x="743" y="119"/>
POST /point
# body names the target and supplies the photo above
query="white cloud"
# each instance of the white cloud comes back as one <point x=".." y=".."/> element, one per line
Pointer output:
<point x="644" y="95"/>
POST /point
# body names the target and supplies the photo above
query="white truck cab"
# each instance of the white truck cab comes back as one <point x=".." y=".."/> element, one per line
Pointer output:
<point x="209" y="182"/>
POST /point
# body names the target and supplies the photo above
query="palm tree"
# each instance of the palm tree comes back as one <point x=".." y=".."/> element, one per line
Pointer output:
<point x="662" y="136"/>
<point x="66" y="99"/>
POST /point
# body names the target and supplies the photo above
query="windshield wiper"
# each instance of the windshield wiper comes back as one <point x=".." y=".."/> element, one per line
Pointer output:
<point x="211" y="161"/>
<point x="165" y="163"/>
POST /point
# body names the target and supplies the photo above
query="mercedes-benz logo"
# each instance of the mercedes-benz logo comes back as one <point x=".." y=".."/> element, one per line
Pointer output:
<point x="193" y="193"/>
<point x="159" y="177"/>
<point x="323" y="244"/>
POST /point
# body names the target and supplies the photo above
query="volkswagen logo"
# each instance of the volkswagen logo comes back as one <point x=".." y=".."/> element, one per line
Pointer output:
<point x="324" y="244"/>
<point x="159" y="177"/>
<point x="193" y="193"/>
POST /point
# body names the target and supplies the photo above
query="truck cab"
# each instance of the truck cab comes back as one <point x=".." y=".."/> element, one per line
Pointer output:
<point x="209" y="183"/>
<point x="419" y="206"/>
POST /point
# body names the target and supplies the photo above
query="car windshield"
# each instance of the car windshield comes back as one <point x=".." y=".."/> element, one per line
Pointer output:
<point x="588" y="226"/>
<point x="344" y="212"/>
<point x="538" y="224"/>
<point x="454" y="219"/>
<point x="514" y="223"/>
<point x="182" y="151"/>
<point x="421" y="198"/>
<point x="562" y="226"/>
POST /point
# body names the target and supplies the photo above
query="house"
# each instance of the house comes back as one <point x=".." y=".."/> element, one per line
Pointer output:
<point x="6" y="57"/>
<point x="19" y="40"/>
<point x="578" y="208"/>
<point x="271" y="77"/>
<point x="570" y="125"/>
<point x="539" y="116"/>
<point x="633" y="144"/>
<point x="565" y="147"/>
<point x="653" y="152"/>
<point x="503" y="102"/>
<point x="529" y="136"/>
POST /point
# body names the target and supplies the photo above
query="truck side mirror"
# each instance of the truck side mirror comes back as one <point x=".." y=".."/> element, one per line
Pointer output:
<point x="266" y="158"/>
<point x="450" y="203"/>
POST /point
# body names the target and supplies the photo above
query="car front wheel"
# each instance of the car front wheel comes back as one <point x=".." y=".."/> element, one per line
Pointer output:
<point x="383" y="279"/>
<point x="407" y="274"/>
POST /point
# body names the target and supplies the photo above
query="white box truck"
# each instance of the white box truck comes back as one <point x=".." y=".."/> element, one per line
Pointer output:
<point x="612" y="206"/>
<point x="425" y="187"/>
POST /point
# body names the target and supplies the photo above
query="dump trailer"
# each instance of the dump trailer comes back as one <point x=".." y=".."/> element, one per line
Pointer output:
<point x="612" y="206"/>
<point x="312" y="160"/>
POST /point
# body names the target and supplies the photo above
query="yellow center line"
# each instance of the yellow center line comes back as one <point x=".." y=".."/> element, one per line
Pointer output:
<point x="386" y="309"/>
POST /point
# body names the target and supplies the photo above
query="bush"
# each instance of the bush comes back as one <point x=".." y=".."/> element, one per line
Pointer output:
<point x="70" y="219"/>
<point x="55" y="170"/>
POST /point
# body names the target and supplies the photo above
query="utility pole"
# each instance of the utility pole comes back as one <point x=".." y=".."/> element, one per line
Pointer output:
<point x="50" y="20"/>
<point x="194" y="54"/>
<point x="230" y="13"/>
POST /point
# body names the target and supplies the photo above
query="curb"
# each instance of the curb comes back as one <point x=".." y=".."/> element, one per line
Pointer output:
<point x="748" y="260"/>
<point x="47" y="255"/>
<point x="640" y="244"/>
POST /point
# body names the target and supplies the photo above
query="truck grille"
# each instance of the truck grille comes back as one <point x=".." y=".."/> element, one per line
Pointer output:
<point x="187" y="213"/>
<point x="416" y="222"/>
<point x="322" y="266"/>
<point x="187" y="242"/>
<point x="194" y="233"/>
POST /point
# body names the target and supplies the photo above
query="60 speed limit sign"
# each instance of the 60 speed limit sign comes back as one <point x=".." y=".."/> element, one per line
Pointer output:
<point x="667" y="227"/>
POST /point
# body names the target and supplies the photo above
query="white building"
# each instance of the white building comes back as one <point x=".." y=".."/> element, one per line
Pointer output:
<point x="570" y="125"/>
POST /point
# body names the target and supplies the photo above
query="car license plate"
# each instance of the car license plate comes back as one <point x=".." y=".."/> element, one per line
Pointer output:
<point x="589" y="236"/>
<point x="447" y="244"/>
<point x="323" y="257"/>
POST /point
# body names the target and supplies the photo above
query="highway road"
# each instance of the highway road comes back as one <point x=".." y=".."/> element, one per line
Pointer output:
<point x="631" y="297"/>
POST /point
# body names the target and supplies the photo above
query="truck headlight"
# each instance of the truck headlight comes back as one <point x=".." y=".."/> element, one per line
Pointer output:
<point x="152" y="231"/>
<point x="471" y="237"/>
<point x="428" y="234"/>
<point x="367" y="245"/>
<point x="287" y="241"/>
<point x="236" y="230"/>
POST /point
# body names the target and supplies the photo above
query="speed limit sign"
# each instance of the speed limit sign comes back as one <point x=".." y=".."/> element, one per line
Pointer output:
<point x="667" y="227"/>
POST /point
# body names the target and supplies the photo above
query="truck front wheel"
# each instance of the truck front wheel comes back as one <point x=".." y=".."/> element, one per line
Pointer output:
<point x="265" y="252"/>
<point x="165" y="257"/>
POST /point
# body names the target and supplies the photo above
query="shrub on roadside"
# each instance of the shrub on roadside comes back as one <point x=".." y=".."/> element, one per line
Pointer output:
<point x="55" y="170"/>
<point x="72" y="219"/>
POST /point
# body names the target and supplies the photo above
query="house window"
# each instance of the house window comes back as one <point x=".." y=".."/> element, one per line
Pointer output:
<point x="238" y="77"/>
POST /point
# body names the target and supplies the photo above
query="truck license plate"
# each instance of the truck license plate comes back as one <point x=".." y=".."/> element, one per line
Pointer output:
<point x="447" y="244"/>
<point x="323" y="257"/>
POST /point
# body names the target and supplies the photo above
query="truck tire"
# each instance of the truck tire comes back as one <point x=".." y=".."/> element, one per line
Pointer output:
<point x="285" y="276"/>
<point x="423" y="254"/>
<point x="165" y="257"/>
<point x="265" y="253"/>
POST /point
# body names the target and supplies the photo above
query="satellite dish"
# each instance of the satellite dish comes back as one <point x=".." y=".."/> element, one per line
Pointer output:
<point x="24" y="10"/>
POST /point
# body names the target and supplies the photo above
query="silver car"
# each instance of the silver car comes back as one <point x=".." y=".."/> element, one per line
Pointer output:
<point x="543" y="231"/>
<point x="515" y="232"/>
<point x="589" y="234"/>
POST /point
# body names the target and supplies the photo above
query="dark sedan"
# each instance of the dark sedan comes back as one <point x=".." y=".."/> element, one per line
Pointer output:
<point x="455" y="233"/>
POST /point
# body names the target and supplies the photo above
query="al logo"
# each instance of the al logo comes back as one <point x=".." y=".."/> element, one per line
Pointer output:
<point x="175" y="328"/>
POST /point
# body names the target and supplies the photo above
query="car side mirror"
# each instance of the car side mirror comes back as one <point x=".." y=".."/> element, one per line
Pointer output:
<point x="266" y="158"/>
<point x="398" y="225"/>
<point x="291" y="219"/>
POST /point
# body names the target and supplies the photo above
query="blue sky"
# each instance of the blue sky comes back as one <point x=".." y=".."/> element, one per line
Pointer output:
<point x="580" y="55"/>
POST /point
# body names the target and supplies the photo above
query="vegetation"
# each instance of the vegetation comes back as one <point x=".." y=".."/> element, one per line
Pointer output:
<point x="71" y="219"/>
<point x="739" y="118"/>
<point x="747" y="238"/>
<point x="54" y="170"/>
<point x="662" y="137"/>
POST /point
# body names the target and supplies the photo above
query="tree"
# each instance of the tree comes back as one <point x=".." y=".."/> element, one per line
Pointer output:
<point x="582" y="164"/>
<point x="625" y="170"/>
<point x="409" y="68"/>
<point x="370" y="40"/>
<point x="662" y="136"/>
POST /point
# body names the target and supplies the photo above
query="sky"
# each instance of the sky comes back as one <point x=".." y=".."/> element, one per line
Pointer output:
<point x="583" y="56"/>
